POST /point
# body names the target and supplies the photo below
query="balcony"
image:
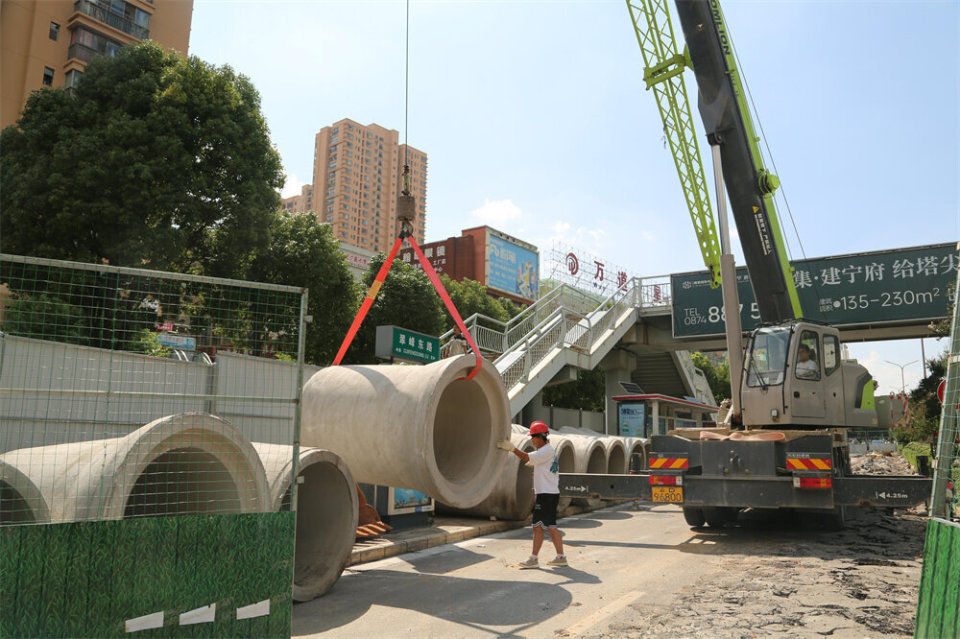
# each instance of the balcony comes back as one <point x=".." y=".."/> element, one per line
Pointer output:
<point x="103" y="14"/>
<point x="81" y="52"/>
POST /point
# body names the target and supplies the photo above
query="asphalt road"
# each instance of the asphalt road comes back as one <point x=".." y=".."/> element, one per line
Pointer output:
<point x="618" y="556"/>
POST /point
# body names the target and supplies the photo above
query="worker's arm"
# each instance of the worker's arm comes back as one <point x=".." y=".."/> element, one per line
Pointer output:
<point x="507" y="445"/>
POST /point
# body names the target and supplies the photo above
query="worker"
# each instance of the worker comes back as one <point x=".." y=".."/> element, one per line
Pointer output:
<point x="457" y="344"/>
<point x="546" y="485"/>
<point x="806" y="367"/>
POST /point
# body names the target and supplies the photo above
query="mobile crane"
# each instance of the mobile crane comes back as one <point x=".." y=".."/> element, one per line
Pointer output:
<point x="785" y="442"/>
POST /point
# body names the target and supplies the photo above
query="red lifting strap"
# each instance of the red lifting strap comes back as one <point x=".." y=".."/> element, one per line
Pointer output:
<point x="375" y="288"/>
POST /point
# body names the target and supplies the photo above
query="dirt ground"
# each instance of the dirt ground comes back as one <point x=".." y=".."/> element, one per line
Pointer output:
<point x="768" y="577"/>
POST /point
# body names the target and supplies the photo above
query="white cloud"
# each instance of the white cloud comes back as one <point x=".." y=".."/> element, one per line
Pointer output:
<point x="292" y="186"/>
<point x="499" y="212"/>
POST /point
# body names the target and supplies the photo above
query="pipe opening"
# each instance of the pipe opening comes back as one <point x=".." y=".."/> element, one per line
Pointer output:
<point x="567" y="460"/>
<point x="598" y="461"/>
<point x="183" y="481"/>
<point x="324" y="524"/>
<point x="14" y="508"/>
<point x="462" y="426"/>
<point x="617" y="463"/>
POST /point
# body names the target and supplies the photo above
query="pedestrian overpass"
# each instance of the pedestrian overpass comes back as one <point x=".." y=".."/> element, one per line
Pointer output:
<point x="637" y="333"/>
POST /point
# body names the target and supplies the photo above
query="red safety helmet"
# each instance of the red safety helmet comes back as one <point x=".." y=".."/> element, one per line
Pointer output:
<point x="538" y="428"/>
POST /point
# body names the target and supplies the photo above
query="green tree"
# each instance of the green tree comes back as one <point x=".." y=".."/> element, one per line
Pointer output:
<point x="924" y="405"/>
<point x="470" y="296"/>
<point x="153" y="160"/>
<point x="718" y="377"/>
<point x="45" y="317"/>
<point x="588" y="392"/>
<point x="304" y="252"/>
<point x="406" y="299"/>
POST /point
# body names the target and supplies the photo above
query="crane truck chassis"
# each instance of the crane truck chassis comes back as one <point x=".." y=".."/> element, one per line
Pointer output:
<point x="713" y="479"/>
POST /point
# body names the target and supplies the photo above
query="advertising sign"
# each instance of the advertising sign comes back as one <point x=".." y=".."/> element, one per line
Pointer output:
<point x="182" y="342"/>
<point x="402" y="343"/>
<point x="900" y="285"/>
<point x="631" y="418"/>
<point x="406" y="500"/>
<point x="511" y="268"/>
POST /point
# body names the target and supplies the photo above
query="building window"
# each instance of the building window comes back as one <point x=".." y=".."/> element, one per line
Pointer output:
<point x="72" y="79"/>
<point x="54" y="31"/>
<point x="47" y="77"/>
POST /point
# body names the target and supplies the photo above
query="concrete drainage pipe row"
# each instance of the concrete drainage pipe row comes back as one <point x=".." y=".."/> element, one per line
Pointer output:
<point x="189" y="464"/>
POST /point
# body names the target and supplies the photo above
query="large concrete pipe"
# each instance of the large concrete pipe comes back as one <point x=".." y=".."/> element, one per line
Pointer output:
<point x="327" y="509"/>
<point x="512" y="497"/>
<point x="185" y="464"/>
<point x="20" y="499"/>
<point x="418" y="427"/>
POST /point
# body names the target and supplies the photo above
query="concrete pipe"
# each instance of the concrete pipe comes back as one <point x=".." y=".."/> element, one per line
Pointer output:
<point x="418" y="427"/>
<point x="636" y="454"/>
<point x="591" y="457"/>
<point x="186" y="464"/>
<point x="512" y="498"/>
<point x="327" y="508"/>
<point x="567" y="460"/>
<point x="20" y="499"/>
<point x="616" y="455"/>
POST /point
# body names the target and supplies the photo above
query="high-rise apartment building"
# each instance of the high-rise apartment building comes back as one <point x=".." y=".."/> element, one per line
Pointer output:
<point x="47" y="43"/>
<point x="357" y="178"/>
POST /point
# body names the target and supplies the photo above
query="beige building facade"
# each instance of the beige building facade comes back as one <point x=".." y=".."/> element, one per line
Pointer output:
<point x="357" y="178"/>
<point x="47" y="43"/>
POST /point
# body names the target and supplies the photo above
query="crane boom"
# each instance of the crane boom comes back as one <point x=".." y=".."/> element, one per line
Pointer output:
<point x="726" y="117"/>
<point x="664" y="65"/>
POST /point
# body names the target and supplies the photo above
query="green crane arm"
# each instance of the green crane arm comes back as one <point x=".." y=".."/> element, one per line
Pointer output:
<point x="726" y="118"/>
<point x="651" y="21"/>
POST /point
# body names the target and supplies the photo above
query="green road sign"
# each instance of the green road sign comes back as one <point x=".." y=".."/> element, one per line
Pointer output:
<point x="402" y="343"/>
<point x="896" y="286"/>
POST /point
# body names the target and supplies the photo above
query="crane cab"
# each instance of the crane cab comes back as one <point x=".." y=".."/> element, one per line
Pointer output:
<point x="794" y="377"/>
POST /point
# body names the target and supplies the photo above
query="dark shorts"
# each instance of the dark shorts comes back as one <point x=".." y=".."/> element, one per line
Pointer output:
<point x="545" y="510"/>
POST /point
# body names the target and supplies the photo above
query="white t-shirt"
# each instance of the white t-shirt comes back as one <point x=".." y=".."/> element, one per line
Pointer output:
<point x="546" y="470"/>
<point x="808" y="369"/>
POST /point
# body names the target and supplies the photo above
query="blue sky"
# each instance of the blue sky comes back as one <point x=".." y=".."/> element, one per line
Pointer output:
<point x="536" y="121"/>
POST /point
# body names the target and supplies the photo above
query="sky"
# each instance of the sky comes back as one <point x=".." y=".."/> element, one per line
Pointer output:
<point x="536" y="122"/>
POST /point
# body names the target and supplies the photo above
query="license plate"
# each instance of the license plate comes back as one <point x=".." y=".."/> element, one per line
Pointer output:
<point x="668" y="494"/>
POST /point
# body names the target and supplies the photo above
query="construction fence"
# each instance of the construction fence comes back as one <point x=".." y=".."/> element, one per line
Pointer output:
<point x="148" y="424"/>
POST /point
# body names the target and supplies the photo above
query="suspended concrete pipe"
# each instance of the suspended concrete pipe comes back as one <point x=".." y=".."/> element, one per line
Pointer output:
<point x="187" y="464"/>
<point x="512" y="497"/>
<point x="418" y="427"/>
<point x="327" y="508"/>
<point x="20" y="499"/>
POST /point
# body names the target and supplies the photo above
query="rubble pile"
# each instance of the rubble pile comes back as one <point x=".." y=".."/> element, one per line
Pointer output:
<point x="881" y="463"/>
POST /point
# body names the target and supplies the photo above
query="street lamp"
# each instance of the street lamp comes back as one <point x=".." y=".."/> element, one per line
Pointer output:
<point x="903" y="388"/>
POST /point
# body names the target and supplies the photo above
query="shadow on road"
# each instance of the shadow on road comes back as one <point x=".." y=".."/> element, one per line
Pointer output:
<point x="463" y="601"/>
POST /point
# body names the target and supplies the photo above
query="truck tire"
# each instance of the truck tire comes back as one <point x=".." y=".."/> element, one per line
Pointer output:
<point x="719" y="516"/>
<point x="693" y="516"/>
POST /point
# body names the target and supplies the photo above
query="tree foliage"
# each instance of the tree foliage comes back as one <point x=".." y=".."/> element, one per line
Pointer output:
<point x="924" y="405"/>
<point x="407" y="299"/>
<point x="588" y="392"/>
<point x="718" y="376"/>
<point x="471" y="297"/>
<point x="153" y="160"/>
<point x="304" y="252"/>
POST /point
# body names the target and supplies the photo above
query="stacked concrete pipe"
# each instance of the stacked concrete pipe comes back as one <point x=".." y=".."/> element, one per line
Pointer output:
<point x="617" y="460"/>
<point x="591" y="457"/>
<point x="636" y="446"/>
<point x="421" y="427"/>
<point x="186" y="464"/>
<point x="327" y="508"/>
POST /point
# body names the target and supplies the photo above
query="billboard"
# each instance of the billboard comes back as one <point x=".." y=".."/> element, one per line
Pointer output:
<point x="512" y="267"/>
<point x="899" y="285"/>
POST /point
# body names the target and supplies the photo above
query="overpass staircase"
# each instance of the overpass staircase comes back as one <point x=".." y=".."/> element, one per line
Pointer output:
<point x="568" y="327"/>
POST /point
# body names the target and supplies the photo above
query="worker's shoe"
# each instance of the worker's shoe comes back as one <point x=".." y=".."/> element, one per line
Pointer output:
<point x="558" y="561"/>
<point x="529" y="563"/>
